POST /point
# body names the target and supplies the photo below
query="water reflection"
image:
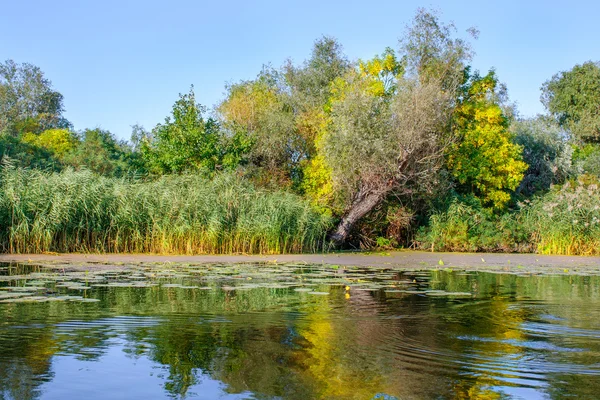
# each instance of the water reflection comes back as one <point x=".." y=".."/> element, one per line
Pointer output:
<point x="405" y="337"/>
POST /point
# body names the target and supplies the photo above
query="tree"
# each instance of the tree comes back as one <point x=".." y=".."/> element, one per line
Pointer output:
<point x="573" y="99"/>
<point x="484" y="159"/>
<point x="392" y="141"/>
<point x="281" y="114"/>
<point x="258" y="114"/>
<point x="27" y="101"/>
<point x="185" y="141"/>
<point x="310" y="83"/>
<point x="99" y="151"/>
<point x="546" y="151"/>
<point x="23" y="154"/>
<point x="60" y="142"/>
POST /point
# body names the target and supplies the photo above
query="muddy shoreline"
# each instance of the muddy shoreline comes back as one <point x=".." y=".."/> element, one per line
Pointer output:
<point x="403" y="260"/>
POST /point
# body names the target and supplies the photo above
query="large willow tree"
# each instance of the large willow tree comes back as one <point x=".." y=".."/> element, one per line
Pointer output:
<point x="390" y="120"/>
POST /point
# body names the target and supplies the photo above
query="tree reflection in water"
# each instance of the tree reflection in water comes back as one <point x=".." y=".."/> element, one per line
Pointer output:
<point x="517" y="335"/>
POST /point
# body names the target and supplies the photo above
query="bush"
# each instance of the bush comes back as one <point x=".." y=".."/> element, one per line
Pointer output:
<point x="587" y="159"/>
<point x="546" y="152"/>
<point x="566" y="220"/>
<point x="463" y="226"/>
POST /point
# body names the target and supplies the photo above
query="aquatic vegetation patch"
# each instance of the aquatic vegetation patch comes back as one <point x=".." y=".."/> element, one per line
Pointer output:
<point x="59" y="283"/>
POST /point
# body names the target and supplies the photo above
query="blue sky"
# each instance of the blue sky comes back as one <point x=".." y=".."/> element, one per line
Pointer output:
<point x="119" y="63"/>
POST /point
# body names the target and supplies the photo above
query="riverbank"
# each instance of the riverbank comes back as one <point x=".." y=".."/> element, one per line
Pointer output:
<point x="405" y="260"/>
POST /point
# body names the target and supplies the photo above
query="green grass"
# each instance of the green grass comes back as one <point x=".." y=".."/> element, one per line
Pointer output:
<point x="78" y="211"/>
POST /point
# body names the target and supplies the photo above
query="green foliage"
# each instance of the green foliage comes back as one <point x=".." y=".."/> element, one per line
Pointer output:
<point x="99" y="151"/>
<point x="310" y="83"/>
<point x="364" y="141"/>
<point x="390" y="120"/>
<point x="358" y="144"/>
<point x="465" y="225"/>
<point x="431" y="51"/>
<point x="281" y="115"/>
<point x="567" y="219"/>
<point x="186" y="140"/>
<point x="84" y="212"/>
<point x="380" y="120"/>
<point x="484" y="160"/>
<point x="20" y="153"/>
<point x="573" y="98"/>
<point x="586" y="159"/>
<point x="546" y="152"/>
<point x="258" y="116"/>
<point x="27" y="101"/>
<point x="384" y="243"/>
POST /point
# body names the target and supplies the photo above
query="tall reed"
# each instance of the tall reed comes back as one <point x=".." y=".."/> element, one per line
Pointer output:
<point x="78" y="211"/>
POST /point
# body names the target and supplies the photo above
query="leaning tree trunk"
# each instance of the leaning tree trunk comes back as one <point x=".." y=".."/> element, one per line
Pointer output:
<point x="363" y="203"/>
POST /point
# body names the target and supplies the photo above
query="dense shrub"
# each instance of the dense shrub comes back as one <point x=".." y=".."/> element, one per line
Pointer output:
<point x="586" y="159"/>
<point x="464" y="225"/>
<point x="546" y="152"/>
<point x="566" y="220"/>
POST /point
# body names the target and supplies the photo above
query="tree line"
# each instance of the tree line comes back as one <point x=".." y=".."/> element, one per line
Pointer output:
<point x="412" y="147"/>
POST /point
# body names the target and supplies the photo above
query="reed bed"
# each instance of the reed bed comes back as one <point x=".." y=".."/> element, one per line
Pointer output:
<point x="79" y="211"/>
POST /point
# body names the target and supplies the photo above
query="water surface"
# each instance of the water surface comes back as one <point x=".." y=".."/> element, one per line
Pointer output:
<point x="296" y="332"/>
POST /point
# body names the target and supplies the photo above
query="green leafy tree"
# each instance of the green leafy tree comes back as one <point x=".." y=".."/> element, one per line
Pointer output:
<point x="27" y="101"/>
<point x="99" y="151"/>
<point x="573" y="99"/>
<point x="185" y="141"/>
<point x="484" y="160"/>
<point x="546" y="151"/>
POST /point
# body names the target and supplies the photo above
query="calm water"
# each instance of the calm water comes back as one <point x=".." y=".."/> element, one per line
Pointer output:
<point x="296" y="332"/>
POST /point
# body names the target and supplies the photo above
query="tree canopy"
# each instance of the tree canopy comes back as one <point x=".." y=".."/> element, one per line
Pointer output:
<point x="484" y="158"/>
<point x="186" y="140"/>
<point x="27" y="101"/>
<point x="573" y="99"/>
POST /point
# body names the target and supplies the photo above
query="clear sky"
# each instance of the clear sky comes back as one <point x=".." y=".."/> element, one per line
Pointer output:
<point x="119" y="63"/>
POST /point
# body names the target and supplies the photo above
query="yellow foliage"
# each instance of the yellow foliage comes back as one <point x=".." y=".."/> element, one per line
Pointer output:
<point x="377" y="77"/>
<point x="247" y="104"/>
<point x="312" y="124"/>
<point x="334" y="376"/>
<point x="58" y="141"/>
<point x="485" y="158"/>
<point x="318" y="185"/>
<point x="381" y="72"/>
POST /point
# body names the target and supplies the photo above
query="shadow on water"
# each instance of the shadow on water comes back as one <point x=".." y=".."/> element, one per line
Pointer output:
<point x="297" y="332"/>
